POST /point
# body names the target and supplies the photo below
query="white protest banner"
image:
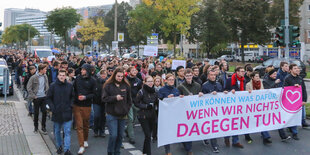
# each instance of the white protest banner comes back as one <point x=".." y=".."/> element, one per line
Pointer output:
<point x="193" y="118"/>
<point x="177" y="63"/>
<point x="150" y="50"/>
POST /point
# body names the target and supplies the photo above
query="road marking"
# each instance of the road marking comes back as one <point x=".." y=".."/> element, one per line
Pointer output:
<point x="128" y="146"/>
<point x="136" y="152"/>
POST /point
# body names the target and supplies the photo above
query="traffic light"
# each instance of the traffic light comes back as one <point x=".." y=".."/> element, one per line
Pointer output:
<point x="280" y="36"/>
<point x="294" y="33"/>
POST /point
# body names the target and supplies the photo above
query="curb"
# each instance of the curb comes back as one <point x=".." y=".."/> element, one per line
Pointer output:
<point x="38" y="143"/>
<point x="308" y="80"/>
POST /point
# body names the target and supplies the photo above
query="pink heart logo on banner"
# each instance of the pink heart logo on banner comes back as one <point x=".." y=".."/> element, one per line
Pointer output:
<point x="295" y="96"/>
<point x="291" y="99"/>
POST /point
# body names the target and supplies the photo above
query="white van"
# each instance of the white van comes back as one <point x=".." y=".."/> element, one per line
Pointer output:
<point x="44" y="53"/>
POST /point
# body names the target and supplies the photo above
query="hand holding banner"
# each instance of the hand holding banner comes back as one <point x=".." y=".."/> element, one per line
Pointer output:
<point x="195" y="118"/>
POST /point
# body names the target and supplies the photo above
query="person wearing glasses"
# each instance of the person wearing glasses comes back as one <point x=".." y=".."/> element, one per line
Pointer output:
<point x="188" y="88"/>
<point x="169" y="91"/>
<point x="146" y="101"/>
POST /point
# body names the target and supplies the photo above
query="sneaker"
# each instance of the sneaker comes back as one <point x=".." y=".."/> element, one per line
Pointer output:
<point x="249" y="140"/>
<point x="131" y="141"/>
<point x="267" y="141"/>
<point x="81" y="150"/>
<point x="85" y="144"/>
<point x="68" y="152"/>
<point x="122" y="146"/>
<point x="36" y="130"/>
<point x="227" y="142"/>
<point x="205" y="142"/>
<point x="44" y="132"/>
<point x="102" y="134"/>
<point x="216" y="150"/>
<point x="238" y="145"/>
<point x="285" y="139"/>
<point x="59" y="150"/>
<point x="295" y="137"/>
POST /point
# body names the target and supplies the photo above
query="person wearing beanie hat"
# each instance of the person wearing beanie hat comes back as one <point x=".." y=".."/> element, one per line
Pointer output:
<point x="84" y="89"/>
<point x="272" y="82"/>
<point x="151" y="69"/>
<point x="272" y="71"/>
<point x="151" y="66"/>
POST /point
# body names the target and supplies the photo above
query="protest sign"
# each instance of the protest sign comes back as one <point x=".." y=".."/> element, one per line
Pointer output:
<point x="177" y="63"/>
<point x="150" y="50"/>
<point x="193" y="118"/>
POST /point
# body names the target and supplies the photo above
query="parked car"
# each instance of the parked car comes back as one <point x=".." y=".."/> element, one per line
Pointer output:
<point x="2" y="61"/>
<point x="214" y="61"/>
<point x="276" y="63"/>
<point x="227" y="58"/>
<point x="10" y="90"/>
<point x="262" y="58"/>
<point x="130" y="55"/>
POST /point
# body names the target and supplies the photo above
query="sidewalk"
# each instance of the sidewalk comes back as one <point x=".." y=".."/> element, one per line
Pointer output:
<point x="16" y="131"/>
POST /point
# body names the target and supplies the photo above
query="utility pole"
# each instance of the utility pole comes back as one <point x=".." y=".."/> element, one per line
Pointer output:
<point x="115" y="21"/>
<point x="286" y="15"/>
<point x="115" y="25"/>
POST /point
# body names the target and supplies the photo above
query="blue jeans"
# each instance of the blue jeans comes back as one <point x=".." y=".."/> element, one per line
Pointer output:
<point x="30" y="108"/>
<point x="265" y="134"/>
<point x="235" y="139"/>
<point x="294" y="130"/>
<point x="116" y="128"/>
<point x="67" y="131"/>
<point x="303" y="118"/>
<point x="99" y="118"/>
<point x="91" y="119"/>
<point x="187" y="146"/>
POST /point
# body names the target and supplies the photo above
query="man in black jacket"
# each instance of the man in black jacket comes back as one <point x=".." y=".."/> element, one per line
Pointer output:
<point x="196" y="77"/>
<point x="60" y="98"/>
<point x="135" y="85"/>
<point x="293" y="79"/>
<point x="84" y="88"/>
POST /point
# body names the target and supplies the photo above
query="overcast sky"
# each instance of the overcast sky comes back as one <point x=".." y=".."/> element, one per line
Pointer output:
<point x="48" y="5"/>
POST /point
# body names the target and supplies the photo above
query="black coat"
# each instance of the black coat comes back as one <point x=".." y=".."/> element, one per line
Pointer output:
<point x="197" y="79"/>
<point x="99" y="85"/>
<point x="270" y="83"/>
<point x="60" y="97"/>
<point x="291" y="80"/>
<point x="85" y="86"/>
<point x="114" y="107"/>
<point x="144" y="97"/>
<point x="135" y="86"/>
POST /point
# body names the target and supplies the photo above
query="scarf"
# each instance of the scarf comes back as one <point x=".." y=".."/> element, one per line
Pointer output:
<point x="256" y="85"/>
<point x="149" y="89"/>
<point x="235" y="78"/>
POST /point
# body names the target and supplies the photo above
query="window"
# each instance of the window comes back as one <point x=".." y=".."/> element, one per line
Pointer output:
<point x="308" y="7"/>
<point x="309" y="34"/>
<point x="308" y="20"/>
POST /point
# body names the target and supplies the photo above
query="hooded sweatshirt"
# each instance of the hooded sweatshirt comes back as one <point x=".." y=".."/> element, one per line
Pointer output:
<point x="85" y="85"/>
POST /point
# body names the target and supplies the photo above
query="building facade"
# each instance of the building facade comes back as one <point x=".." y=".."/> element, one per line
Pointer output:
<point x="305" y="29"/>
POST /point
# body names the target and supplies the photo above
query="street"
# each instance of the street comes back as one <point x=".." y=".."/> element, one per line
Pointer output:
<point x="98" y="146"/>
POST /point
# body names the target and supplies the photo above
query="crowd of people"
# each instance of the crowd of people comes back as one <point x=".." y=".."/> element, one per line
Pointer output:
<point x="94" y="92"/>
